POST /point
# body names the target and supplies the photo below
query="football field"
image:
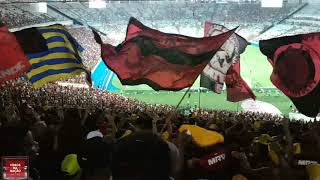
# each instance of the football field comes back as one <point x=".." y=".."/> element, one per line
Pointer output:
<point x="208" y="100"/>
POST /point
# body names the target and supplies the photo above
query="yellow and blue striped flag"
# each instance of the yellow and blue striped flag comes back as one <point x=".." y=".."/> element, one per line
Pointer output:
<point x="61" y="60"/>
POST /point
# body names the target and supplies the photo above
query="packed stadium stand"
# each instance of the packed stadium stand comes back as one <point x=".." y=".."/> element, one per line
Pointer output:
<point x="21" y="14"/>
<point x="178" y="16"/>
<point x="69" y="131"/>
<point x="304" y="21"/>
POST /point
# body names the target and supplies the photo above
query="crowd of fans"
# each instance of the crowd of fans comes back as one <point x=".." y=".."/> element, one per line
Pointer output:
<point x="178" y="16"/>
<point x="305" y="20"/>
<point x="83" y="133"/>
<point x="15" y="15"/>
<point x="157" y="11"/>
<point x="290" y="27"/>
<point x="113" y="18"/>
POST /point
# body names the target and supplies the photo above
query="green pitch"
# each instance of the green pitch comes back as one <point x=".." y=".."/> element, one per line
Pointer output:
<point x="255" y="69"/>
<point x="208" y="100"/>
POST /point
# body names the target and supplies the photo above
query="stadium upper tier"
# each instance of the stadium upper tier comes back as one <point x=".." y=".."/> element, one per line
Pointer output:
<point x="154" y="14"/>
<point x="173" y="11"/>
<point x="305" y="21"/>
<point x="19" y="15"/>
<point x="309" y="16"/>
<point x="174" y="15"/>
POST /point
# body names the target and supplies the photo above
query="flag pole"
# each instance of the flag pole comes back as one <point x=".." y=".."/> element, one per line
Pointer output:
<point x="182" y="98"/>
<point x="176" y="108"/>
<point x="199" y="97"/>
<point x="238" y="107"/>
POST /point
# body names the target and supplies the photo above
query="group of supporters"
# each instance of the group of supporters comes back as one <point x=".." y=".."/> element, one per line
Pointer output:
<point x="22" y="14"/>
<point x="252" y="13"/>
<point x="15" y="15"/>
<point x="249" y="12"/>
<point x="80" y="133"/>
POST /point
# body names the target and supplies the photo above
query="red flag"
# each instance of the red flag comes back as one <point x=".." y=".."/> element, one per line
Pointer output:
<point x="237" y="88"/>
<point x="13" y="61"/>
<point x="296" y="69"/>
<point x="163" y="61"/>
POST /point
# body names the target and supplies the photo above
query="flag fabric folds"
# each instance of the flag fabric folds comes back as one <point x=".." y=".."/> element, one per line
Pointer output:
<point x="31" y="41"/>
<point x="163" y="61"/>
<point x="237" y="88"/>
<point x="62" y="59"/>
<point x="213" y="75"/>
<point x="224" y="67"/>
<point x="296" y="69"/>
<point x="13" y="61"/>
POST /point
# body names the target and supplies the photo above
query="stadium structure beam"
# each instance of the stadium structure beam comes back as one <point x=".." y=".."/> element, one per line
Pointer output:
<point x="292" y="13"/>
<point x="283" y="19"/>
<point x="73" y="19"/>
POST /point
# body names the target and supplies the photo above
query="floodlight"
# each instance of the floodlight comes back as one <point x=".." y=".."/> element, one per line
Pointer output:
<point x="97" y="4"/>
<point x="42" y="7"/>
<point x="272" y="3"/>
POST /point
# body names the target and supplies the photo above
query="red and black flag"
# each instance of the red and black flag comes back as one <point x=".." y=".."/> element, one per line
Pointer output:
<point x="13" y="61"/>
<point x="163" y="61"/>
<point x="296" y="69"/>
<point x="237" y="88"/>
<point x="224" y="66"/>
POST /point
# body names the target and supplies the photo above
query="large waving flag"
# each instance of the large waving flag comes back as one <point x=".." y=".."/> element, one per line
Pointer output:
<point x="62" y="59"/>
<point x="224" y="67"/>
<point x="296" y="69"/>
<point x="13" y="61"/>
<point x="163" y="61"/>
